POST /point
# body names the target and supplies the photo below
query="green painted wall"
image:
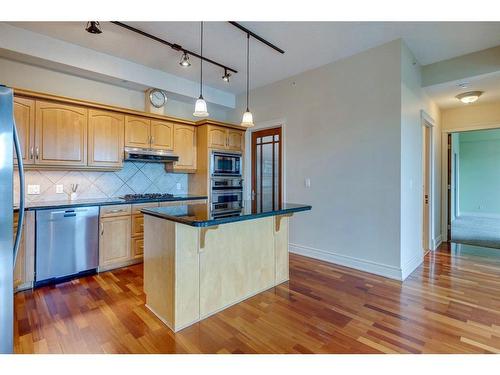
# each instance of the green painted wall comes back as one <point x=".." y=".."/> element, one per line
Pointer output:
<point x="479" y="172"/>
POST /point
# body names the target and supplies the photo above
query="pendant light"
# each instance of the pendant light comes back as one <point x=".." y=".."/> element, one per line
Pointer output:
<point x="200" y="108"/>
<point x="247" y="116"/>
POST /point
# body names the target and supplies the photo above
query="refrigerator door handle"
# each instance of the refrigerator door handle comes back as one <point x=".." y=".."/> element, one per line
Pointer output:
<point x="17" y="147"/>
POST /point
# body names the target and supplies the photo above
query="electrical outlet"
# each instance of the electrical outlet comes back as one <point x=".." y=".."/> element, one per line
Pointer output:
<point x="178" y="186"/>
<point x="59" y="189"/>
<point x="33" y="189"/>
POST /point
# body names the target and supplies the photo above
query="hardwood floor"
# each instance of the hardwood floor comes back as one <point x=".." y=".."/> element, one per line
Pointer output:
<point x="451" y="304"/>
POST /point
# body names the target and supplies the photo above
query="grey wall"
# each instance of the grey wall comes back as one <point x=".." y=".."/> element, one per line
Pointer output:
<point x="353" y="127"/>
<point x="342" y="130"/>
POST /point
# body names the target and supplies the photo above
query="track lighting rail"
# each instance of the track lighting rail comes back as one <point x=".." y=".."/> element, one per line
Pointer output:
<point x="174" y="46"/>
<point x="259" y="38"/>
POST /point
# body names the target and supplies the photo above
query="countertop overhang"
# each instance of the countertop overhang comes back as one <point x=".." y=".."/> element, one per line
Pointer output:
<point x="198" y="215"/>
<point x="33" y="206"/>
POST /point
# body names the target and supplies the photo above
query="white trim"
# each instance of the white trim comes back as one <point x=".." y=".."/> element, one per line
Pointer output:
<point x="436" y="242"/>
<point x="428" y="121"/>
<point x="411" y="266"/>
<point x="479" y="214"/>
<point x="472" y="127"/>
<point x="385" y="270"/>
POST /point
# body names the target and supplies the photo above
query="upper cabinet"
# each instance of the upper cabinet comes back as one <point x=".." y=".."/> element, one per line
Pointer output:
<point x="105" y="143"/>
<point x="162" y="135"/>
<point x="60" y="134"/>
<point x="185" y="148"/>
<point x="235" y="140"/>
<point x="137" y="132"/>
<point x="24" y="114"/>
<point x="225" y="139"/>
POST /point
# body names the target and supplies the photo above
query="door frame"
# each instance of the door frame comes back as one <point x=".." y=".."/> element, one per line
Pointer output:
<point x="445" y="178"/>
<point x="248" y="155"/>
<point x="428" y="122"/>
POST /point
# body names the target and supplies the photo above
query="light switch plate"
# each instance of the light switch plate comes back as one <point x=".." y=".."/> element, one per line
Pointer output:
<point x="178" y="186"/>
<point x="33" y="189"/>
<point x="307" y="182"/>
<point x="59" y="189"/>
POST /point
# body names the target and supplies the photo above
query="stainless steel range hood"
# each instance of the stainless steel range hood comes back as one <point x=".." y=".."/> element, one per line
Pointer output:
<point x="149" y="155"/>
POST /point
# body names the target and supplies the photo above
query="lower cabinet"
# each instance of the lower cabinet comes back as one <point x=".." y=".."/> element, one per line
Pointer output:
<point x="25" y="262"/>
<point x="114" y="242"/>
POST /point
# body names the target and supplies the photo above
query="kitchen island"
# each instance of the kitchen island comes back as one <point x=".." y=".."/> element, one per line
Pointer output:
<point x="196" y="265"/>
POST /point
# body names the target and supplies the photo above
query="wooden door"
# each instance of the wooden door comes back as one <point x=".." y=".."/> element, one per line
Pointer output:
<point x="24" y="114"/>
<point x="235" y="140"/>
<point x="217" y="137"/>
<point x="60" y="134"/>
<point x="137" y="132"/>
<point x="185" y="148"/>
<point x="427" y="167"/>
<point x="162" y="135"/>
<point x="105" y="145"/>
<point x="267" y="164"/>
<point x="114" y="240"/>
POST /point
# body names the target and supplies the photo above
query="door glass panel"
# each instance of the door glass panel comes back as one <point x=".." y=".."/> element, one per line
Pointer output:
<point x="258" y="161"/>
<point x="267" y="176"/>
<point x="276" y="175"/>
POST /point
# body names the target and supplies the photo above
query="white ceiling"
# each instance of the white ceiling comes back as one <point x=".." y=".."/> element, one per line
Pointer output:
<point x="444" y="94"/>
<point x="307" y="44"/>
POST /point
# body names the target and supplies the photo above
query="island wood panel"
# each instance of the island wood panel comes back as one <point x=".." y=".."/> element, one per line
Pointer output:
<point x="106" y="132"/>
<point x="238" y="261"/>
<point x="281" y="225"/>
<point x="162" y="135"/>
<point x="60" y="134"/>
<point x="24" y="115"/>
<point x="448" y="305"/>
<point x="137" y="132"/>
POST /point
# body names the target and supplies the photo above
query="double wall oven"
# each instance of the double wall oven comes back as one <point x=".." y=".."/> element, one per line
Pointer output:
<point x="226" y="184"/>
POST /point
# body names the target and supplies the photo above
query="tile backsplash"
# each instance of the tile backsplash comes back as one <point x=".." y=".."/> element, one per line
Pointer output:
<point x="133" y="178"/>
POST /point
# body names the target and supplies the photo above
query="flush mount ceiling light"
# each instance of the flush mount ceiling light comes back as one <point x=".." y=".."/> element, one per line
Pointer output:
<point x="200" y="108"/>
<point x="93" y="27"/>
<point x="469" y="97"/>
<point x="226" y="76"/>
<point x="185" y="60"/>
<point x="247" y="116"/>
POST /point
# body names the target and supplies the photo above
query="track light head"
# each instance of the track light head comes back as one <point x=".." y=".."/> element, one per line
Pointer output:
<point x="185" y="60"/>
<point x="226" y="76"/>
<point x="93" y="27"/>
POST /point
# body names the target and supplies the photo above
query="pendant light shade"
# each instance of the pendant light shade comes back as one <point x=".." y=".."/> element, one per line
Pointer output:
<point x="247" y="119"/>
<point x="200" y="108"/>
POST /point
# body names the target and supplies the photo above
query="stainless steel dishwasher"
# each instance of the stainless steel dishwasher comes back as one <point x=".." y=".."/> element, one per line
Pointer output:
<point x="67" y="243"/>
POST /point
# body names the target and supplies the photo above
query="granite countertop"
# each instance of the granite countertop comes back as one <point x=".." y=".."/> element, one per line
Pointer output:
<point x="33" y="206"/>
<point x="198" y="215"/>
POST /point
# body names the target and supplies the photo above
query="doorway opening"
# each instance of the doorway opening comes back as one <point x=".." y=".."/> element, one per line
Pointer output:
<point x="473" y="186"/>
<point x="267" y="155"/>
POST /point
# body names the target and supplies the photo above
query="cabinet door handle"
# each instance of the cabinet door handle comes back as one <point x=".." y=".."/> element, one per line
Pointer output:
<point x="152" y="139"/>
<point x="37" y="153"/>
<point x="102" y="229"/>
<point x="31" y="152"/>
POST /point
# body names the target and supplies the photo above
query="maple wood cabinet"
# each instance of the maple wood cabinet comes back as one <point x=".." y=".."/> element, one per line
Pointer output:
<point x="114" y="237"/>
<point x="185" y="148"/>
<point x="60" y="134"/>
<point x="105" y="142"/>
<point x="162" y="135"/>
<point x="225" y="139"/>
<point x="24" y="115"/>
<point x="145" y="133"/>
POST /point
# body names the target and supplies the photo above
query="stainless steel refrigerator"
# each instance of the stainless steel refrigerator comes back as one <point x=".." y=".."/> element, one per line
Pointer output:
<point x="9" y="245"/>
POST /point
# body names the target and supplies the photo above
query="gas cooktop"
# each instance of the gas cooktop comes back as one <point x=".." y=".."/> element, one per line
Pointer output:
<point x="133" y="197"/>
